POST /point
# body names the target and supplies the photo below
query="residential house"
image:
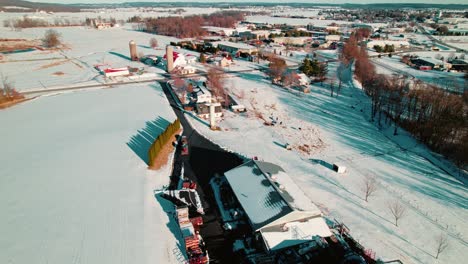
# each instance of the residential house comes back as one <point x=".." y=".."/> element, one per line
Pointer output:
<point x="203" y="110"/>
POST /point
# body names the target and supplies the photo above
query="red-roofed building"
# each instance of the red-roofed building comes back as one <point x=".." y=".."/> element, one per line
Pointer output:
<point x="179" y="59"/>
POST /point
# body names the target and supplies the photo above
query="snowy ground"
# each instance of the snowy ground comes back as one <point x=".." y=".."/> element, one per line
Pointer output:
<point x="73" y="185"/>
<point x="457" y="41"/>
<point x="436" y="202"/>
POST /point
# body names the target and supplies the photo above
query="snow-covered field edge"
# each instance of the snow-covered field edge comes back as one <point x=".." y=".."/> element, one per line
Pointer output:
<point x="404" y="139"/>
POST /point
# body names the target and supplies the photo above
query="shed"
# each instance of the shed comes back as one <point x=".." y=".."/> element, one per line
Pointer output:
<point x="238" y="108"/>
<point x="339" y="168"/>
<point x="112" y="72"/>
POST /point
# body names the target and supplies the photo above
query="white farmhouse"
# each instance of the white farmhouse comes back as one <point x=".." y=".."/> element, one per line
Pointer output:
<point x="201" y="94"/>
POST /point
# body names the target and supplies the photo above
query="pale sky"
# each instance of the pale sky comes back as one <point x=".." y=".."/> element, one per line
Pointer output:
<point x="268" y="1"/>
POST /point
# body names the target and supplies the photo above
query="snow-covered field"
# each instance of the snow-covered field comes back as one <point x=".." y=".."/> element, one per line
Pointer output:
<point x="436" y="202"/>
<point x="117" y="13"/>
<point x="75" y="65"/>
<point x="73" y="188"/>
<point x="457" y="41"/>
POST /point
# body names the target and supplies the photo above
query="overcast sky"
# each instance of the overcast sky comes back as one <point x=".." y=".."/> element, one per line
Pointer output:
<point x="270" y="1"/>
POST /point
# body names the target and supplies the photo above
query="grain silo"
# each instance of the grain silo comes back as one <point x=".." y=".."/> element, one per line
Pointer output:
<point x="212" y="116"/>
<point x="133" y="51"/>
<point x="169" y="58"/>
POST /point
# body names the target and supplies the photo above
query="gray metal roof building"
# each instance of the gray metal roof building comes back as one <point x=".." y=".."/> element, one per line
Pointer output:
<point x="275" y="205"/>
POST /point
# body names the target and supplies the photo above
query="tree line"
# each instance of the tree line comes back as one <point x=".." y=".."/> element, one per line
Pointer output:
<point x="188" y="26"/>
<point x="434" y="116"/>
<point x="161" y="141"/>
<point x="27" y="22"/>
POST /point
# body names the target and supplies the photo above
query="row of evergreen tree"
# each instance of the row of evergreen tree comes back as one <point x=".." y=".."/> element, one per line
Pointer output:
<point x="161" y="140"/>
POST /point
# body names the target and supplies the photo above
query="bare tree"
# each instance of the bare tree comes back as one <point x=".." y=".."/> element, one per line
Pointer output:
<point x="179" y="87"/>
<point x="153" y="43"/>
<point x="442" y="244"/>
<point x="397" y="209"/>
<point x="6" y="86"/>
<point x="369" y="186"/>
<point x="51" y="39"/>
<point x="289" y="79"/>
<point x="277" y="68"/>
<point x="215" y="80"/>
<point x="7" y="90"/>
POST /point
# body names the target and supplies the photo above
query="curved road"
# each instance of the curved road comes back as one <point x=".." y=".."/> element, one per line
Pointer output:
<point x="434" y="40"/>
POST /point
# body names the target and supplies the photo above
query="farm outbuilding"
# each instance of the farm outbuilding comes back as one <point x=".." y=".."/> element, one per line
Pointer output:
<point x="277" y="209"/>
<point x="339" y="168"/>
<point x="233" y="47"/>
<point x="426" y="63"/>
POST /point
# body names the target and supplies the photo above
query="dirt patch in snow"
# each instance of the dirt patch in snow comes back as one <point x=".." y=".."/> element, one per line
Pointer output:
<point x="58" y="73"/>
<point x="53" y="64"/>
<point x="262" y="104"/>
<point x="163" y="156"/>
<point x="7" y="104"/>
<point x="10" y="45"/>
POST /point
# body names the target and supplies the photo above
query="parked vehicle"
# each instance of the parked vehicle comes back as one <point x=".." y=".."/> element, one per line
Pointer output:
<point x="184" y="143"/>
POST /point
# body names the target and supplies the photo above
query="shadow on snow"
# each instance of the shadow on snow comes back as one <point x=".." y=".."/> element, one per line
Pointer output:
<point x="144" y="138"/>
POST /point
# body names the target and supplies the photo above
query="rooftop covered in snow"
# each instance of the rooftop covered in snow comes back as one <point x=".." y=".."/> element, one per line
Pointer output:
<point x="295" y="233"/>
<point x="268" y="195"/>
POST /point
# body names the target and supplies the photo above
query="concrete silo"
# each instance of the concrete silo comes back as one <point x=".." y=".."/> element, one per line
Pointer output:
<point x="169" y="58"/>
<point x="133" y="51"/>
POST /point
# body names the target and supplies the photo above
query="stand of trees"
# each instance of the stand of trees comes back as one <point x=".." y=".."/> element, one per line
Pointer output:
<point x="189" y="26"/>
<point x="314" y="68"/>
<point x="436" y="117"/>
<point x="27" y="22"/>
<point x="216" y="82"/>
<point x="386" y="48"/>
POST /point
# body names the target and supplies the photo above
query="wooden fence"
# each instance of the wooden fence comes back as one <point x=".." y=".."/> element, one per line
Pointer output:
<point x="161" y="140"/>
